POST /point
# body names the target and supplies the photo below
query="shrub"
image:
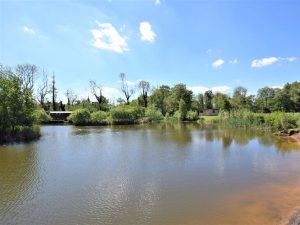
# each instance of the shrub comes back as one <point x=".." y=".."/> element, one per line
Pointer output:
<point x="192" y="116"/>
<point x="41" y="116"/>
<point x="125" y="114"/>
<point x="281" y="121"/>
<point x="153" y="114"/>
<point x="99" y="118"/>
<point x="80" y="117"/>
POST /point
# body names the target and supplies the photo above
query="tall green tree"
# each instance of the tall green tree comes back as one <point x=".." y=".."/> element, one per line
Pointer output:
<point x="159" y="97"/>
<point x="182" y="111"/>
<point x="17" y="104"/>
<point x="179" y="91"/>
<point x="265" y="99"/>
<point x="200" y="99"/>
<point x="295" y="96"/>
<point x="239" y="98"/>
<point x="221" y="101"/>
<point x="208" y="99"/>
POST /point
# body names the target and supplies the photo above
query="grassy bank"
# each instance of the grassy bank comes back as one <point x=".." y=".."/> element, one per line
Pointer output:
<point x="126" y="114"/>
<point x="276" y="121"/>
<point x="20" y="133"/>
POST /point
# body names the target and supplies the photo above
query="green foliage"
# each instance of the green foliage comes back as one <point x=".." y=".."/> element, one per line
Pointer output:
<point x="240" y="100"/>
<point x="91" y="107"/>
<point x="221" y="102"/>
<point x="20" y="133"/>
<point x="80" y="117"/>
<point x="126" y="114"/>
<point x="27" y="133"/>
<point x="16" y="105"/>
<point x="172" y="118"/>
<point x="275" y="120"/>
<point x="208" y="99"/>
<point x="182" y="111"/>
<point x="153" y="114"/>
<point x="159" y="98"/>
<point x="200" y="100"/>
<point x="192" y="116"/>
<point x="281" y="121"/>
<point x="210" y="119"/>
<point x="265" y="99"/>
<point x="41" y="116"/>
<point x="99" y="118"/>
<point x="178" y="92"/>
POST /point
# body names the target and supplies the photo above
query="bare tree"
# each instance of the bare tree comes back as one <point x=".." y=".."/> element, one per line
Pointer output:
<point x="54" y="93"/>
<point x="27" y="73"/>
<point x="144" y="88"/>
<point x="43" y="89"/>
<point x="126" y="90"/>
<point x="96" y="90"/>
<point x="71" y="96"/>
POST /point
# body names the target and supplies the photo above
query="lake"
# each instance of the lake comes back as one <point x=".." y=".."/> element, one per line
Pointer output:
<point x="162" y="174"/>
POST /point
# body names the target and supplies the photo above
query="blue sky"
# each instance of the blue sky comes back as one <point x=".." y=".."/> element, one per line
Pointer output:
<point x="204" y="44"/>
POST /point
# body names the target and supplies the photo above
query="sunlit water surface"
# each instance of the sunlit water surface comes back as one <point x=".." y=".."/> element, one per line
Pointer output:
<point x="162" y="174"/>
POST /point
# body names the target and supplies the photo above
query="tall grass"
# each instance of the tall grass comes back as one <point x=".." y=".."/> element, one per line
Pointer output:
<point x="20" y="133"/>
<point x="274" y="121"/>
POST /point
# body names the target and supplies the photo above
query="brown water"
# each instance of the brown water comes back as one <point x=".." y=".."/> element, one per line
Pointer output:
<point x="160" y="174"/>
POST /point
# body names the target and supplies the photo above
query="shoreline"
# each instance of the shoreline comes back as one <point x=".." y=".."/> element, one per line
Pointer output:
<point x="296" y="137"/>
<point x="293" y="218"/>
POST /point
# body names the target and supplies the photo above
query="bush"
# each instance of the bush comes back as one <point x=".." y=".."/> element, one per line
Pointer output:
<point x="281" y="121"/>
<point x="99" y="118"/>
<point x="40" y="116"/>
<point x="153" y="114"/>
<point x="192" y="116"/>
<point x="126" y="114"/>
<point x="80" y="117"/>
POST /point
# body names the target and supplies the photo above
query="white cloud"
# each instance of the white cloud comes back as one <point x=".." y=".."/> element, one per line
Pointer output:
<point x="107" y="37"/>
<point x="277" y="86"/>
<point x="146" y="32"/>
<point x="233" y="61"/>
<point x="291" y="59"/>
<point x="29" y="30"/>
<point x="218" y="89"/>
<point x="157" y="2"/>
<point x="264" y="62"/>
<point x="110" y="92"/>
<point x="130" y="83"/>
<point x="218" y="63"/>
<point x="257" y="63"/>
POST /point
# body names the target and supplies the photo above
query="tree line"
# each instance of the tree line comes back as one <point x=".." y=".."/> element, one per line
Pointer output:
<point x="168" y="100"/>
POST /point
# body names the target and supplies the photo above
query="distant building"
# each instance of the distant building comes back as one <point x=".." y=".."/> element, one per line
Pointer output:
<point x="209" y="112"/>
<point x="59" y="116"/>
